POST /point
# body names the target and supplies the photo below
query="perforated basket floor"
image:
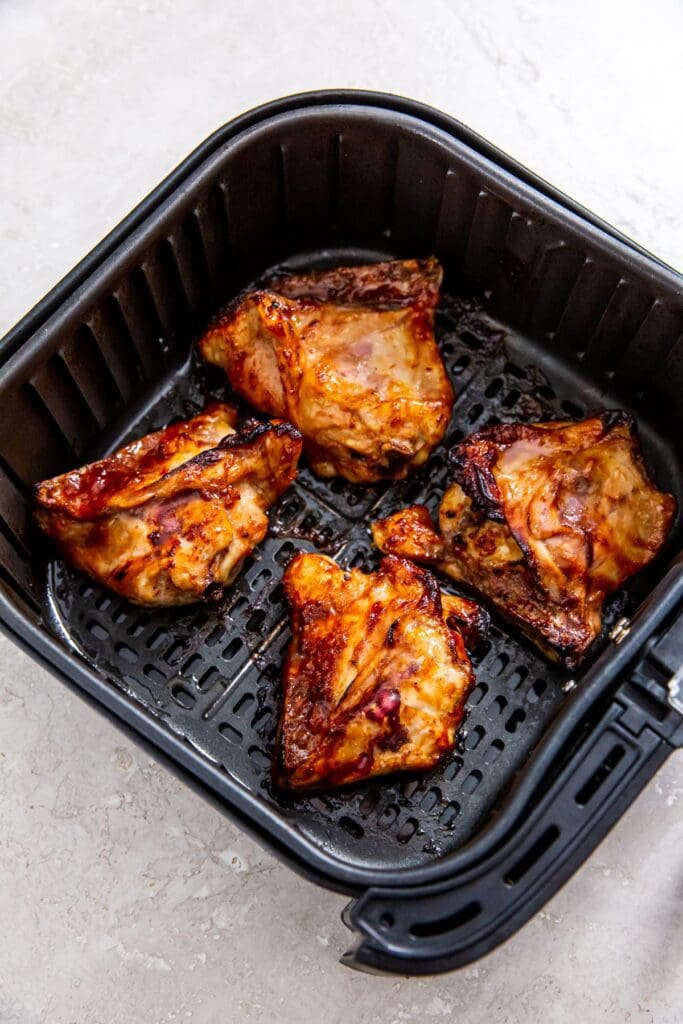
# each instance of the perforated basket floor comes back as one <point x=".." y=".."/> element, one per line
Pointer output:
<point x="211" y="673"/>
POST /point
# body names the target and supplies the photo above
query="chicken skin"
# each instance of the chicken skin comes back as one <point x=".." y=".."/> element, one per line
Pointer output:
<point x="349" y="357"/>
<point x="168" y="519"/>
<point x="377" y="673"/>
<point x="545" y="520"/>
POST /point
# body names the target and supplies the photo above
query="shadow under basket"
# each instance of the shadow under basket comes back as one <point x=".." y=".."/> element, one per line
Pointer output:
<point x="547" y="313"/>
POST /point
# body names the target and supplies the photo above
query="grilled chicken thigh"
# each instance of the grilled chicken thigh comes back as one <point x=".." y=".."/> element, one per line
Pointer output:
<point x="375" y="679"/>
<point x="168" y="519"/>
<point x="349" y="357"/>
<point x="545" y="520"/>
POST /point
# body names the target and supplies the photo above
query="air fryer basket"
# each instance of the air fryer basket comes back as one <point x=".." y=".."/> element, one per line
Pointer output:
<point x="546" y="313"/>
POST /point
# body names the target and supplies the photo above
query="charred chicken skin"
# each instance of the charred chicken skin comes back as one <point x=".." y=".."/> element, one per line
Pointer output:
<point x="168" y="519"/>
<point x="377" y="673"/>
<point x="545" y="520"/>
<point x="349" y="357"/>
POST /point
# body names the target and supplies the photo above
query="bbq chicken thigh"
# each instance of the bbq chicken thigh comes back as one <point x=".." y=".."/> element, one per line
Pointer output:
<point x="348" y="356"/>
<point x="545" y="520"/>
<point x="168" y="519"/>
<point x="376" y="675"/>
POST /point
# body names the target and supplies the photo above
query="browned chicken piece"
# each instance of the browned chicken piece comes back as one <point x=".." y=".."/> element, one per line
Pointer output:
<point x="545" y="520"/>
<point x="375" y="679"/>
<point x="349" y="357"/>
<point x="168" y="519"/>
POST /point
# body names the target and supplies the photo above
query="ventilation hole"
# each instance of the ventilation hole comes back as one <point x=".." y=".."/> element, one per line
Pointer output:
<point x="182" y="696"/>
<point x="511" y="398"/>
<point x="120" y="613"/>
<point x="283" y="554"/>
<point x="352" y="827"/>
<point x="407" y="830"/>
<point x="191" y="667"/>
<point x="452" y="769"/>
<point x="472" y="782"/>
<point x="515" y="719"/>
<point x="216" y="634"/>
<point x="460" y="364"/>
<point x="236" y="608"/>
<point x="590" y="788"/>
<point x="256" y="620"/>
<point x="423" y="929"/>
<point x="474" y="737"/>
<point x="208" y="680"/>
<point x="98" y="631"/>
<point x="159" y="638"/>
<point x="471" y="340"/>
<point x="126" y="653"/>
<point x="536" y="690"/>
<point x="233" y="647"/>
<point x="478" y="694"/>
<point x="475" y="412"/>
<point x="545" y="391"/>
<point x="386" y="921"/>
<point x="388" y="816"/>
<point x="499" y="664"/>
<point x="138" y="626"/>
<point x="277" y="594"/>
<point x="368" y="803"/>
<point x="102" y="602"/>
<point x="493" y="388"/>
<point x="174" y="653"/>
<point x="243" y="704"/>
<point x="153" y="673"/>
<point x="234" y="736"/>
<point x="248" y="564"/>
<point x="290" y="510"/>
<point x="532" y="856"/>
<point x="262" y="721"/>
<point x="430" y="799"/>
<point x="408" y="788"/>
<point x="516" y="678"/>
<point x="495" y="750"/>
<point x="86" y="589"/>
<point x="500" y="703"/>
<point x="259" y="757"/>
<point x="310" y="522"/>
<point x="449" y="814"/>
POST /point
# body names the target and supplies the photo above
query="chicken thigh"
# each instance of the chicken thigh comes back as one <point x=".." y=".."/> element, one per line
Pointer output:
<point x="376" y="675"/>
<point x="348" y="356"/>
<point x="168" y="519"/>
<point x="545" y="520"/>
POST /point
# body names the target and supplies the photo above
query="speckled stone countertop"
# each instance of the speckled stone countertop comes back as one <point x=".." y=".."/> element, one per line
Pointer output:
<point x="124" y="897"/>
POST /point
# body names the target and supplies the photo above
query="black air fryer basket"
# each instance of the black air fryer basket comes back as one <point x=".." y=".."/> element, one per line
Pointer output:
<point x="547" y="312"/>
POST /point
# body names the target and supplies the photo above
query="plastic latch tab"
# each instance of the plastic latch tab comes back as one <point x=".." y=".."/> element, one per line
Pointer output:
<point x="653" y="695"/>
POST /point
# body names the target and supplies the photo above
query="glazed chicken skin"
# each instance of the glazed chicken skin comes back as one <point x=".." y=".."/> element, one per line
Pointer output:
<point x="377" y="673"/>
<point x="545" y="520"/>
<point x="348" y="356"/>
<point x="168" y="519"/>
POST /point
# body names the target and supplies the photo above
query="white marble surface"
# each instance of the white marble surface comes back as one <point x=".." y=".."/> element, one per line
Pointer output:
<point x="123" y="897"/>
